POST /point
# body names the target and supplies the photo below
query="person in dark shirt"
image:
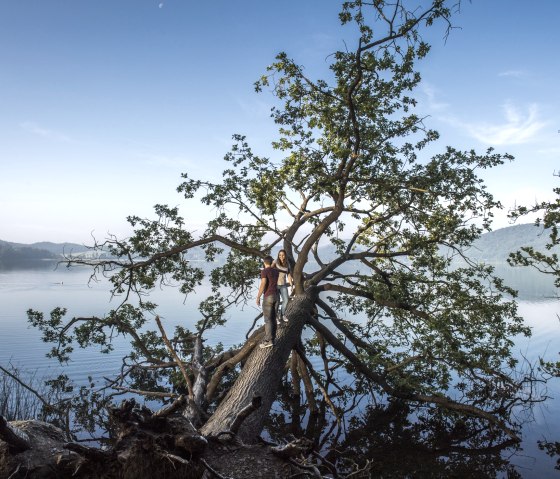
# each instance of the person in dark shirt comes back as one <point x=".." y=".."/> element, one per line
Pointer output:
<point x="269" y="287"/>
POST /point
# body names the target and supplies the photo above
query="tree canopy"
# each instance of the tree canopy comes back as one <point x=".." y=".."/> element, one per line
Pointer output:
<point x="375" y="230"/>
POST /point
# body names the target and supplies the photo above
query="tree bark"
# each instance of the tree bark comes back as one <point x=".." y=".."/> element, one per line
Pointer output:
<point x="44" y="454"/>
<point x="262" y="375"/>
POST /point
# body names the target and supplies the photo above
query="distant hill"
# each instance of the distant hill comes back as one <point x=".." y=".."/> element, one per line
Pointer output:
<point x="60" y="248"/>
<point x="44" y="254"/>
<point x="495" y="247"/>
<point x="14" y="256"/>
<point x="492" y="248"/>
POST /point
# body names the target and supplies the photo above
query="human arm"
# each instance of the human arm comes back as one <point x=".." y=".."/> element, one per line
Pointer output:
<point x="262" y="287"/>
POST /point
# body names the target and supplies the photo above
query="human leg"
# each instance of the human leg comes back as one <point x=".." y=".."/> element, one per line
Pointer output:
<point x="285" y="298"/>
<point x="270" y="303"/>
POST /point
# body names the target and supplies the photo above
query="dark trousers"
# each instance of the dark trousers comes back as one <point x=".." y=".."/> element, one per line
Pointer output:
<point x="270" y="305"/>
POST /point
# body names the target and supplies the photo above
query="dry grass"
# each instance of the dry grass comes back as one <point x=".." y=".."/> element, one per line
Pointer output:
<point x="16" y="401"/>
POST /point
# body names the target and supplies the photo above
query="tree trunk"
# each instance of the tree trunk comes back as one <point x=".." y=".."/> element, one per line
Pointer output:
<point x="261" y="376"/>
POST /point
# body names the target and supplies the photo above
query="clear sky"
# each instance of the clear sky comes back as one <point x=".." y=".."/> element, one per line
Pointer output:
<point x="103" y="103"/>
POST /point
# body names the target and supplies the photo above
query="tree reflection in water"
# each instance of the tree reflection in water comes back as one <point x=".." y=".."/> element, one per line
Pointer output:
<point x="392" y="440"/>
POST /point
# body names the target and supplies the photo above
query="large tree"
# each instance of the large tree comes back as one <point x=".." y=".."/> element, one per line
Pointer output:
<point x="374" y="228"/>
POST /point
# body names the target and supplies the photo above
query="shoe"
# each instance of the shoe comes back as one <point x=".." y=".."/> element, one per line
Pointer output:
<point x="266" y="344"/>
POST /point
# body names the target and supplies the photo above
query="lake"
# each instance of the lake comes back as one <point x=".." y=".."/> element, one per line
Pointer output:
<point x="45" y="289"/>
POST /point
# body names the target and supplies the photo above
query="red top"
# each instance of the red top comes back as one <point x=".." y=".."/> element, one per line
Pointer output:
<point x="271" y="275"/>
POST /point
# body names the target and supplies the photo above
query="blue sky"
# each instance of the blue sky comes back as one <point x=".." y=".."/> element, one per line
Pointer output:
<point x="104" y="103"/>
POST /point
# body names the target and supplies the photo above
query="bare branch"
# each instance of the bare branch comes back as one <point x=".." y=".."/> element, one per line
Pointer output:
<point x="140" y="392"/>
<point x="30" y="389"/>
<point x="176" y="358"/>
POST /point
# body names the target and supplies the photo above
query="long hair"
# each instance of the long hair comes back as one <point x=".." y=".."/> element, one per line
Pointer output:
<point x="284" y="264"/>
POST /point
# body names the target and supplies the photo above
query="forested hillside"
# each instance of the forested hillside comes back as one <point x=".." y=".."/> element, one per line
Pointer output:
<point x="496" y="246"/>
<point x="17" y="255"/>
<point x="20" y="256"/>
<point x="493" y="247"/>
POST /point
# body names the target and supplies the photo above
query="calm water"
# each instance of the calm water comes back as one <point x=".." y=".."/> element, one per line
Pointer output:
<point x="45" y="289"/>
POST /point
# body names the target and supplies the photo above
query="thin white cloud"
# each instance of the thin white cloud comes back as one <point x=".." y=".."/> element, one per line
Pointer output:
<point x="513" y="73"/>
<point x="38" y="130"/>
<point x="431" y="94"/>
<point x="519" y="127"/>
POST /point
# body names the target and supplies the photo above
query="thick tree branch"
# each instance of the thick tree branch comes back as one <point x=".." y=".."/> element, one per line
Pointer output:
<point x="382" y="302"/>
<point x="241" y="355"/>
<point x="381" y="380"/>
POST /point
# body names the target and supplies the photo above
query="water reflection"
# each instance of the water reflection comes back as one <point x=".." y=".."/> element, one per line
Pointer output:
<point x="531" y="285"/>
<point x="395" y="440"/>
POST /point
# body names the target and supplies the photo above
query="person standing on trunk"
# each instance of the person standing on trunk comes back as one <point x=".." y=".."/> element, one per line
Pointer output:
<point x="284" y="281"/>
<point x="268" y="287"/>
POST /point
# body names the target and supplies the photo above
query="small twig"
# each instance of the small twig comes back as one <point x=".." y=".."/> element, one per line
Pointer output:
<point x="218" y="436"/>
<point x="146" y="393"/>
<point x="358" y="471"/>
<point x="30" y="389"/>
<point x="292" y="449"/>
<point x="175" y="357"/>
<point x="13" y="474"/>
<point x="212" y="470"/>
<point x="327" y="464"/>
<point x="172" y="457"/>
<point x="310" y="467"/>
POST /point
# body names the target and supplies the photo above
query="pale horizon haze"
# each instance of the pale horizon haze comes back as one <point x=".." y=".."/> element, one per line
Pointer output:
<point x="103" y="104"/>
